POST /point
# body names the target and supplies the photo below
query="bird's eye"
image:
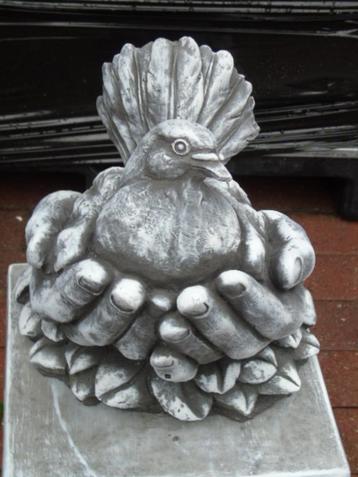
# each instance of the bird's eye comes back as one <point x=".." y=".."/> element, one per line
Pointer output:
<point x="181" y="147"/>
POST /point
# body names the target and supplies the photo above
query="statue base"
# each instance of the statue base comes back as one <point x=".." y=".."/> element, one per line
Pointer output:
<point x="47" y="432"/>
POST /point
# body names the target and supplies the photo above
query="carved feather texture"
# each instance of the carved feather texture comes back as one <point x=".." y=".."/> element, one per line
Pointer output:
<point x="163" y="80"/>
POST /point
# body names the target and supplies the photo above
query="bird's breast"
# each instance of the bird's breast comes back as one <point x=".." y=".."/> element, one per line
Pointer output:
<point x="179" y="234"/>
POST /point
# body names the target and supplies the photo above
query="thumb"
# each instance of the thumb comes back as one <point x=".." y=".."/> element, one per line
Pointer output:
<point x="292" y="255"/>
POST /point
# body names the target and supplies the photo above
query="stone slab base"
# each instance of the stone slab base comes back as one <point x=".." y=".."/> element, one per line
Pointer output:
<point x="49" y="433"/>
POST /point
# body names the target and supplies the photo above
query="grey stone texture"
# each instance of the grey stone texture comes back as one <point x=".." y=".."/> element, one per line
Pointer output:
<point x="161" y="287"/>
<point x="49" y="433"/>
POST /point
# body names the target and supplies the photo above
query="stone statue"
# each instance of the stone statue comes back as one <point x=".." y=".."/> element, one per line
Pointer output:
<point x="160" y="288"/>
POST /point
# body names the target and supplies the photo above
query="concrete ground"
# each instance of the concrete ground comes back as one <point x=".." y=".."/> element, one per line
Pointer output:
<point x="334" y="283"/>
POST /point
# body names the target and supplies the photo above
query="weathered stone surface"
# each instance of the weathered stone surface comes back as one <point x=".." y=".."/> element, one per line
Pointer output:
<point x="165" y="260"/>
<point x="48" y="433"/>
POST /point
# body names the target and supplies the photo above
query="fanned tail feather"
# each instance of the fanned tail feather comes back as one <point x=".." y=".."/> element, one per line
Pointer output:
<point x="241" y="133"/>
<point x="166" y="80"/>
<point x="126" y="73"/>
<point x="218" y="73"/>
<point x="159" y="82"/>
<point x="143" y="59"/>
<point x="188" y="80"/>
<point x="112" y="113"/>
<point x="229" y="114"/>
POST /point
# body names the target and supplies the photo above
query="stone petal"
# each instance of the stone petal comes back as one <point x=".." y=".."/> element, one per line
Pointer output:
<point x="29" y="322"/>
<point x="286" y="381"/>
<point x="259" y="369"/>
<point x="309" y="346"/>
<point x="291" y="341"/>
<point x="52" y="331"/>
<point x="268" y="355"/>
<point x="184" y="401"/>
<point x="134" y="395"/>
<point x="48" y="357"/>
<point x="82" y="386"/>
<point x="22" y="285"/>
<point x="113" y="372"/>
<point x="241" y="399"/>
<point x="81" y="358"/>
<point x="218" y="377"/>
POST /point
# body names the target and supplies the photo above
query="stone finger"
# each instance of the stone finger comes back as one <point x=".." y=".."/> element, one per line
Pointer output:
<point x="46" y="221"/>
<point x="160" y="301"/>
<point x="292" y="257"/>
<point x="71" y="244"/>
<point x="111" y="316"/>
<point x="180" y="335"/>
<point x="308" y="309"/>
<point x="63" y="297"/>
<point x="257" y="304"/>
<point x="38" y="247"/>
<point x="139" y="339"/>
<point x="219" y="323"/>
<point x="292" y="264"/>
<point x="172" y="366"/>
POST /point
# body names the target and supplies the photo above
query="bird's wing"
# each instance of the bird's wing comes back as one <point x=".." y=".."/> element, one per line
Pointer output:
<point x="72" y="242"/>
<point x="252" y="248"/>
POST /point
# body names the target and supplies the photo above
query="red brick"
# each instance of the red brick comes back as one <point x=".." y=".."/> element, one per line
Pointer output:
<point x="335" y="278"/>
<point x="24" y="190"/>
<point x="347" y="421"/>
<point x="13" y="229"/>
<point x="337" y="325"/>
<point x="340" y="370"/>
<point x="289" y="194"/>
<point x="330" y="234"/>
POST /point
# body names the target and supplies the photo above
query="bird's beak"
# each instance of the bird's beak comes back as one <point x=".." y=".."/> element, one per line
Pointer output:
<point x="210" y="163"/>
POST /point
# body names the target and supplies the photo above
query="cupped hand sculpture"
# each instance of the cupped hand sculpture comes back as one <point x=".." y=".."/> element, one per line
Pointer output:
<point x="160" y="287"/>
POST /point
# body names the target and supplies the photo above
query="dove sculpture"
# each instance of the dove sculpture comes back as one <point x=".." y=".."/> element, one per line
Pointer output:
<point x="161" y="288"/>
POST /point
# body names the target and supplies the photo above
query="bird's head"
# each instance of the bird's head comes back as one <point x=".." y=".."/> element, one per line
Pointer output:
<point x="176" y="147"/>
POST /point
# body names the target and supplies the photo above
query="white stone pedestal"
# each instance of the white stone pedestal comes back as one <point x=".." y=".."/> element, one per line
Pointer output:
<point x="49" y="434"/>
